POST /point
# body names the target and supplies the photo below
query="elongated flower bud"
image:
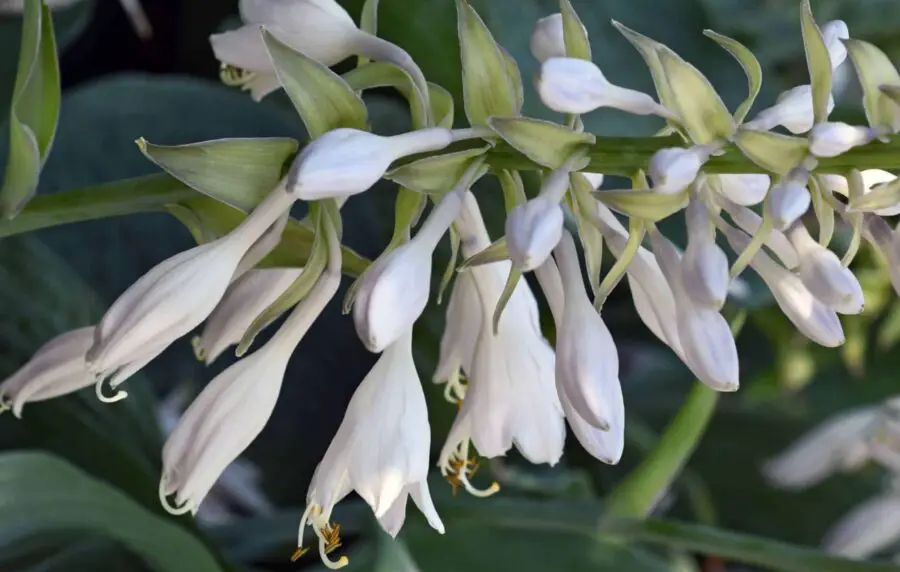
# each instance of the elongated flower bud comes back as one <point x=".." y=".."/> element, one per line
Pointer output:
<point x="587" y="363"/>
<point x="834" y="33"/>
<point x="833" y="139"/>
<point x="244" y="300"/>
<point x="571" y="85"/>
<point x="394" y="293"/>
<point x="175" y="296"/>
<point x="346" y="162"/>
<point x="788" y="201"/>
<point x="234" y="407"/>
<point x="704" y="266"/>
<point x="674" y="168"/>
<point x="776" y="241"/>
<point x="547" y="39"/>
<point x="532" y="231"/>
<point x="746" y="190"/>
<point x="793" y="110"/>
<point x="56" y="369"/>
<point x="822" y="272"/>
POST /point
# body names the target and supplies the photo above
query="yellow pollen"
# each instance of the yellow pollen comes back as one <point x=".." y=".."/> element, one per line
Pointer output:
<point x="298" y="553"/>
<point x="331" y="533"/>
<point x="235" y="77"/>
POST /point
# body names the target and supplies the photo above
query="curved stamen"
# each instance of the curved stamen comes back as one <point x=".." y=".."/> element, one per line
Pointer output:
<point x="475" y="492"/>
<point x="170" y="508"/>
<point x="197" y="346"/>
<point x="235" y="77"/>
<point x="326" y="545"/>
<point x="119" y="395"/>
<point x="301" y="530"/>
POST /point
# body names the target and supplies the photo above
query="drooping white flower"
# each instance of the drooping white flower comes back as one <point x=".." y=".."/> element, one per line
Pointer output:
<point x="788" y="200"/>
<point x="319" y="29"/>
<point x="548" y="40"/>
<point x="175" y="296"/>
<point x="56" y="369"/>
<point x="244" y="300"/>
<point x="571" y="85"/>
<point x="831" y="139"/>
<point x="346" y="161"/>
<point x="746" y="190"/>
<point x="812" y="317"/>
<point x="838" y="444"/>
<point x="238" y="490"/>
<point x="234" y="407"/>
<point x="776" y="241"/>
<point x="704" y="266"/>
<point x="834" y="32"/>
<point x="867" y="529"/>
<point x="381" y="451"/>
<point x="511" y="398"/>
<point x="823" y="274"/>
<point x="706" y="340"/>
<point x="394" y="293"/>
<point x="872" y="178"/>
<point x="793" y="110"/>
<point x="879" y="233"/>
<point x="673" y="169"/>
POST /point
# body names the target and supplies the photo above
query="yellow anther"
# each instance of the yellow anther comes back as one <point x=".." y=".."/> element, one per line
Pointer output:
<point x="235" y="77"/>
<point x="298" y="553"/>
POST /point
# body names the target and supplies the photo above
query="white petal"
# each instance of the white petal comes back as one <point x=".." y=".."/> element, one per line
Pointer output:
<point x="243" y="48"/>
<point x="869" y="528"/>
<point x="606" y="446"/>
<point x="746" y="190"/>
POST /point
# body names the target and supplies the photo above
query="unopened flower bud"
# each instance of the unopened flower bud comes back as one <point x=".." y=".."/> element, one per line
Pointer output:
<point x="834" y="32"/>
<point x="833" y="139"/>
<point x="673" y="169"/>
<point x="793" y="109"/>
<point x="571" y="85"/>
<point x="547" y="39"/>
<point x="704" y="266"/>
<point x="346" y="161"/>
<point x="746" y="190"/>
<point x="393" y="294"/>
<point x="788" y="201"/>
<point x="823" y="274"/>
<point x="532" y="232"/>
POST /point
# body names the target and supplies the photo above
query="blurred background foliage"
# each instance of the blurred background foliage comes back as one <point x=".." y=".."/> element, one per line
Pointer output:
<point x="118" y="88"/>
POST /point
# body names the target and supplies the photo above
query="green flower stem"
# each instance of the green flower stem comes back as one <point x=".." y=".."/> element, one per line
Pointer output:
<point x="635" y="496"/>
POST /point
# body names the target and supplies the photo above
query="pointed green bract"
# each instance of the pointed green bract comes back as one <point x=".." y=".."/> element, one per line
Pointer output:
<point x="695" y="101"/>
<point x="450" y="270"/>
<point x="515" y="77"/>
<point x="646" y="205"/>
<point x="818" y="61"/>
<point x="591" y="237"/>
<point x="824" y="212"/>
<point x="751" y="66"/>
<point x="34" y="109"/>
<point x="650" y="50"/>
<point x="435" y="175"/>
<point x="323" y="100"/>
<point x="239" y="172"/>
<point x="574" y="33"/>
<point x="488" y="89"/>
<point x="547" y="144"/>
<point x="875" y="71"/>
<point x="511" y="282"/>
<point x="879" y="197"/>
<point x="772" y="151"/>
<point x="513" y="189"/>
<point x="385" y="74"/>
<point x="496" y="252"/>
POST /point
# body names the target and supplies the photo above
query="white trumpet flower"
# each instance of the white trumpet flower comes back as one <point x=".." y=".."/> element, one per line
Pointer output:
<point x="793" y="110"/>
<point x="234" y="407"/>
<point x="704" y="266"/>
<point x="571" y="85"/>
<point x="706" y="340"/>
<point x="57" y="368"/>
<point x="174" y="297"/>
<point x="831" y="139"/>
<point x="674" y="169"/>
<point x="823" y="274"/>
<point x="381" y="451"/>
<point x="812" y="317"/>
<point x="345" y="162"/>
<point x="867" y="529"/>
<point x="511" y="398"/>
<point x="245" y="299"/>
<point x="394" y="293"/>
<point x="319" y="29"/>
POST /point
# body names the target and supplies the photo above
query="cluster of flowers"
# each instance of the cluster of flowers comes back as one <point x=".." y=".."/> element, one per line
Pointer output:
<point x="513" y="389"/>
<point x="846" y="443"/>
